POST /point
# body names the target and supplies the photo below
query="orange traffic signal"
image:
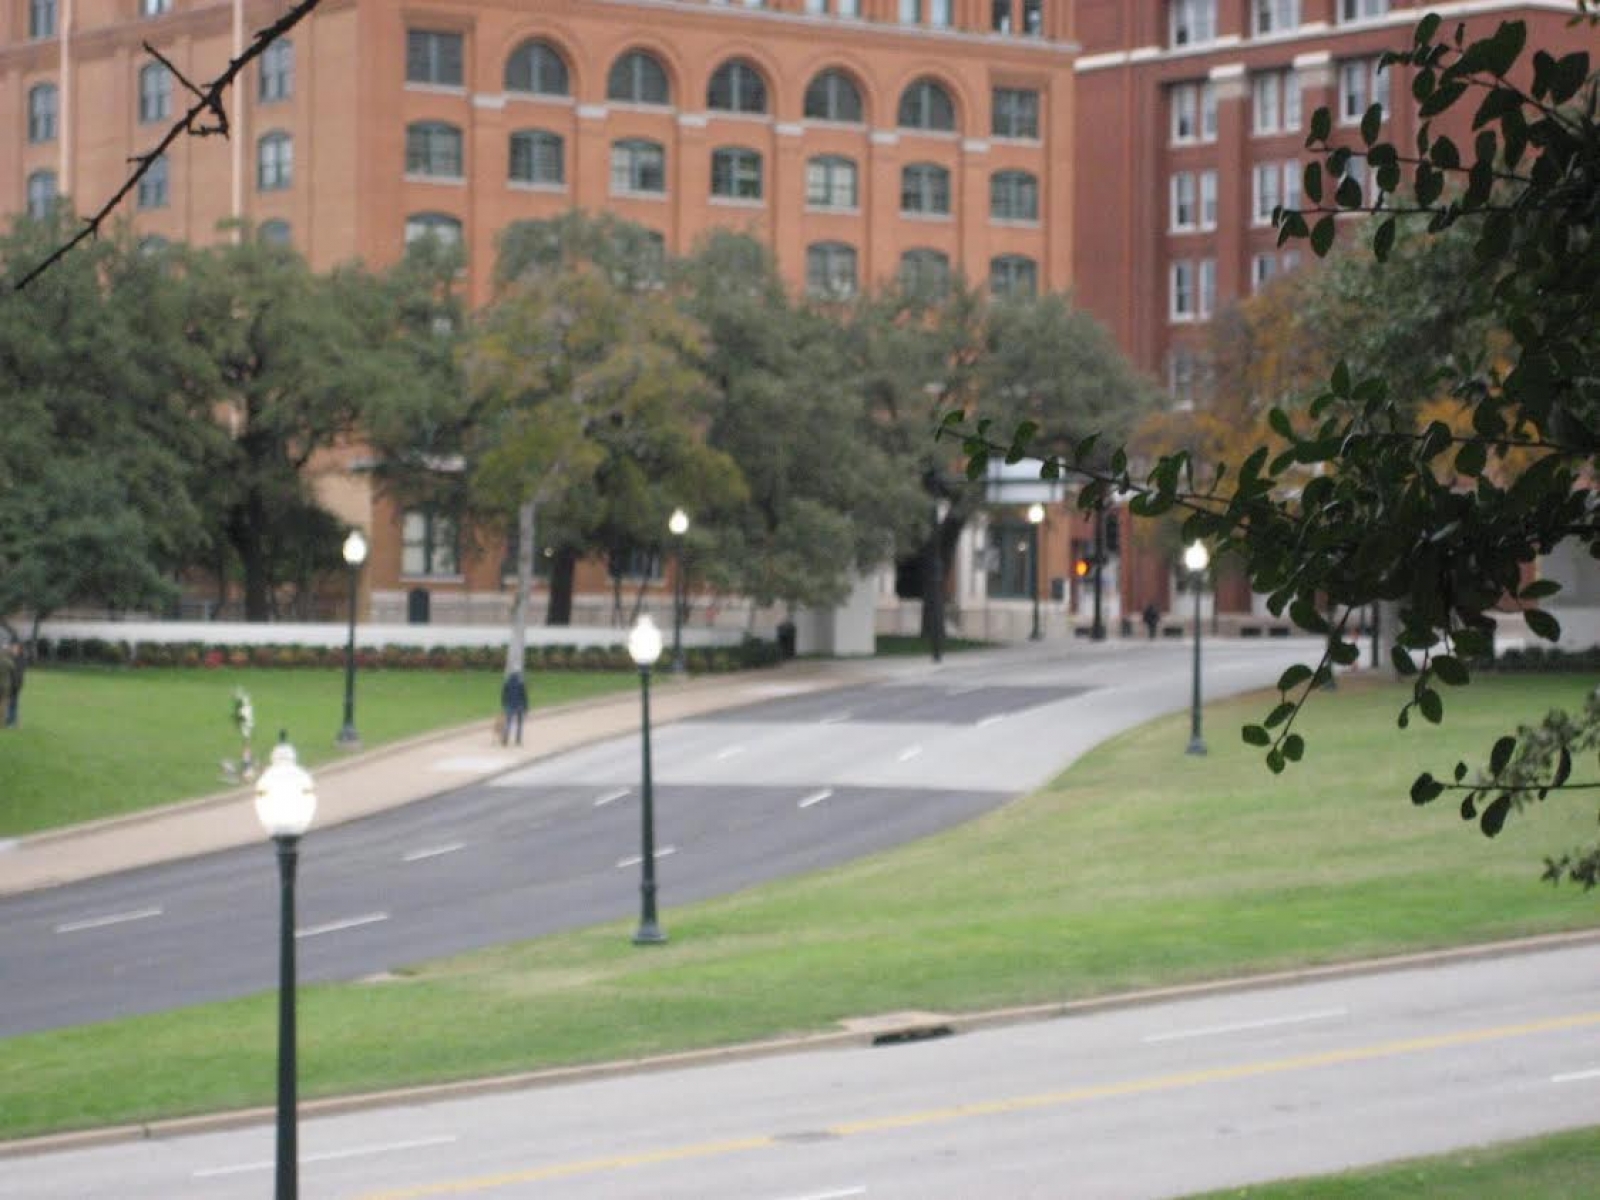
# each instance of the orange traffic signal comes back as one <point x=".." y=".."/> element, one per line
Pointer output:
<point x="1081" y="567"/>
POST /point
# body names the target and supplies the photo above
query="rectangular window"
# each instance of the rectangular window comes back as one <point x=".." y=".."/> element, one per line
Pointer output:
<point x="1208" y="199"/>
<point x="153" y="189"/>
<point x="434" y="58"/>
<point x="428" y="545"/>
<point x="1181" y="304"/>
<point x="910" y="12"/>
<point x="1000" y="16"/>
<point x="1185" y="100"/>
<point x="1361" y="84"/>
<point x="1191" y="22"/>
<point x="41" y="18"/>
<point x="1185" y="376"/>
<point x="1276" y="16"/>
<point x="1262" y="268"/>
<point x="1268" y="194"/>
<point x="1362" y="10"/>
<point x="1208" y="112"/>
<point x="1185" y="217"/>
<point x="1016" y="113"/>
<point x="1266" y="101"/>
<point x="816" y="8"/>
<point x="831" y="183"/>
<point x="1291" y="185"/>
<point x="1033" y="18"/>
<point x="939" y="13"/>
<point x="1011" y="559"/>
<point x="154" y="8"/>
<point x="1292" y="110"/>
<point x="1208" y="287"/>
<point x="848" y="8"/>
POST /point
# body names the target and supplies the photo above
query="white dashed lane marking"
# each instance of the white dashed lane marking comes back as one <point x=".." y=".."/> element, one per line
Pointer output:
<point x="121" y="918"/>
<point x="432" y="852"/>
<point x="816" y="797"/>
<point x="1324" y="1014"/>
<point x="606" y="798"/>
<point x="636" y="859"/>
<point x="908" y="753"/>
<point x="336" y="926"/>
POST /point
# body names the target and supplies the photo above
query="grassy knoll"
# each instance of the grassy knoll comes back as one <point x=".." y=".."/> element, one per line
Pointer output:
<point x="1139" y="866"/>
<point x="1564" y="1166"/>
<point x="95" y="742"/>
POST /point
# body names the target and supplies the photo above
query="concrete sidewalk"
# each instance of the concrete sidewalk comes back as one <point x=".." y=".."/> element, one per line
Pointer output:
<point x="397" y="774"/>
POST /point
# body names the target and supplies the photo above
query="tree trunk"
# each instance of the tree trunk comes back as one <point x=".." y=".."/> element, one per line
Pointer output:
<point x="517" y="643"/>
<point x="252" y="548"/>
<point x="562" y="569"/>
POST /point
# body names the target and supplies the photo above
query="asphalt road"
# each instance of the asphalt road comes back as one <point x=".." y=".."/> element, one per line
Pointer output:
<point x="791" y="784"/>
<point x="1149" y="1101"/>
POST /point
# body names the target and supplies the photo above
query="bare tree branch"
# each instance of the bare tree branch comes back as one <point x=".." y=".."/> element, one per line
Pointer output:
<point x="208" y="101"/>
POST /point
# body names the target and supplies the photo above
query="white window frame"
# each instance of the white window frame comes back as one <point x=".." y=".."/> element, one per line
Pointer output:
<point x="1362" y="83"/>
<point x="824" y="279"/>
<point x="1184" y="203"/>
<point x="1267" y="102"/>
<point x="1191" y="22"/>
<point x="1207" y="291"/>
<point x="1262" y="268"/>
<point x="1351" y="11"/>
<point x="827" y="177"/>
<point x="1266" y="192"/>
<point x="1208" y="198"/>
<point x="1274" y="16"/>
<point x="1181" y="291"/>
<point x="435" y="537"/>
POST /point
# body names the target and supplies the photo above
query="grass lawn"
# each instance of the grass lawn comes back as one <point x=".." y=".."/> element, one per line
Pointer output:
<point x="1564" y="1166"/>
<point x="95" y="742"/>
<point x="1139" y="866"/>
<point x="909" y="646"/>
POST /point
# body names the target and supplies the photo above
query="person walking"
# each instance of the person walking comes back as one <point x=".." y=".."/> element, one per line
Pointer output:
<point x="10" y="683"/>
<point x="514" y="703"/>
<point x="1152" y="618"/>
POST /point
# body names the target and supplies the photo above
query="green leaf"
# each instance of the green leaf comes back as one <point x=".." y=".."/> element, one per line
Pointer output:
<point x="1312" y="184"/>
<point x="1542" y="624"/>
<point x="1425" y="789"/>
<point x="1339" y="381"/>
<point x="1539" y="589"/>
<point x="1460" y="771"/>
<point x="1371" y="123"/>
<point x="1342" y="652"/>
<point x="1294" y="677"/>
<point x="1568" y="76"/>
<point x="1500" y="53"/>
<point x="1401" y="658"/>
<point x="1321" y="127"/>
<point x="1441" y="98"/>
<point x="1450" y="670"/>
<point x="1322" y="236"/>
<point x="1383" y="240"/>
<point x="1275" y="762"/>
<point x="1444" y="155"/>
<point x="1294" y="747"/>
<point x="1494" y="817"/>
<point x="1500" y="756"/>
<point x="1426" y="28"/>
<point x="1255" y="735"/>
<point x="1563" y="768"/>
<point x="1431" y="706"/>
<point x="1472" y="458"/>
<point x="1279" y="715"/>
<point x="1279" y="421"/>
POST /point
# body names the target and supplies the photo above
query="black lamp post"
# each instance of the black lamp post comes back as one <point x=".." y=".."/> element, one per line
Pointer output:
<point x="644" y="647"/>
<point x="1196" y="559"/>
<point x="285" y="803"/>
<point x="1035" y="517"/>
<point x="355" y="553"/>
<point x="935" y="589"/>
<point x="678" y="525"/>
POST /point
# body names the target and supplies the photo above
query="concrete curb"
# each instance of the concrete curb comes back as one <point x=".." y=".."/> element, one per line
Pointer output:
<point x="872" y="1032"/>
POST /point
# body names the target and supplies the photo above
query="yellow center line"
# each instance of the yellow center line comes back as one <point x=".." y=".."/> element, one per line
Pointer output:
<point x="958" y="1112"/>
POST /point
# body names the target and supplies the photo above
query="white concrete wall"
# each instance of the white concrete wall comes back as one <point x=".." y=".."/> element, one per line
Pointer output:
<point x="240" y="633"/>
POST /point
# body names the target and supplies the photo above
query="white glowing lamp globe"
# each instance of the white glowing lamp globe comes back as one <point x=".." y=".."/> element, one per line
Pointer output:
<point x="678" y="522"/>
<point x="644" y="642"/>
<point x="1196" y="557"/>
<point x="1035" y="513"/>
<point x="286" y="799"/>
<point x="355" y="548"/>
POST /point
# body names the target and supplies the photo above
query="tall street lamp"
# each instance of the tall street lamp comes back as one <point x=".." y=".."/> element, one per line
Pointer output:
<point x="678" y="525"/>
<point x="644" y="647"/>
<point x="285" y="803"/>
<point x="355" y="553"/>
<point x="1196" y="559"/>
<point x="1035" y="517"/>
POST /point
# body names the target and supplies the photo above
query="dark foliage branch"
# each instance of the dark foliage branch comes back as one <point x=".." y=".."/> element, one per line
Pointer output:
<point x="1360" y="507"/>
<point x="206" y="116"/>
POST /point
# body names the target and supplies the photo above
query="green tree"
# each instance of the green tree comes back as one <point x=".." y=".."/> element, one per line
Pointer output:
<point x="1443" y="523"/>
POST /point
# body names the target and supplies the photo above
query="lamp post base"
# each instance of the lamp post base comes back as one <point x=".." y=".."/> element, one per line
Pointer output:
<point x="650" y="934"/>
<point x="349" y="737"/>
<point x="1196" y="746"/>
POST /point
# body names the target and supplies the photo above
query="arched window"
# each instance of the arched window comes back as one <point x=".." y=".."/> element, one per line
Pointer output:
<point x="433" y="149"/>
<point x="536" y="157"/>
<point x="42" y="194"/>
<point x="155" y="93"/>
<point x="925" y="273"/>
<point x="153" y="245"/>
<point x="830" y="270"/>
<point x="1014" y="196"/>
<point x="154" y="185"/>
<point x="537" y="68"/>
<point x="42" y="104"/>
<point x="638" y="166"/>
<point x="1013" y="275"/>
<point x="441" y="227"/>
<point x="638" y="78"/>
<point x="274" y="233"/>
<point x="737" y="87"/>
<point x="736" y="173"/>
<point x="831" y="182"/>
<point x="926" y="105"/>
<point x="274" y="162"/>
<point x="277" y="71"/>
<point x="832" y="97"/>
<point x="925" y="189"/>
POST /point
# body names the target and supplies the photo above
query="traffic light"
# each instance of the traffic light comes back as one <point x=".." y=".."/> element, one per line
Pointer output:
<point x="1113" y="533"/>
<point x="1082" y="566"/>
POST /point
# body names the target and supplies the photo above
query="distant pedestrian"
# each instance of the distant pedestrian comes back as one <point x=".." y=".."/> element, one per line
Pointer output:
<point x="1152" y="618"/>
<point x="20" y="669"/>
<point x="10" y="682"/>
<point x="514" y="704"/>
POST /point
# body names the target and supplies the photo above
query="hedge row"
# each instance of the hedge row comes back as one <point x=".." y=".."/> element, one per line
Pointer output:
<point x="751" y="652"/>
<point x="1548" y="658"/>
